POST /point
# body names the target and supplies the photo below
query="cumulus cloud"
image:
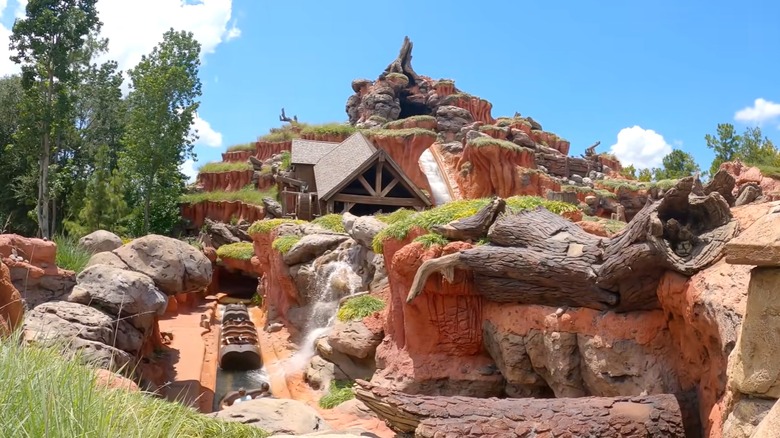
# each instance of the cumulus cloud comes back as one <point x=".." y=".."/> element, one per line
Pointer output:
<point x="188" y="169"/>
<point x="762" y="111"/>
<point x="643" y="148"/>
<point x="207" y="135"/>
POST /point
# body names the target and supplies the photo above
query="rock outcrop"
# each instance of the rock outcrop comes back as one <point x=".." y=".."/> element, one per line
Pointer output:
<point x="230" y="181"/>
<point x="221" y="211"/>
<point x="100" y="241"/>
<point x="11" y="304"/>
<point x="275" y="416"/>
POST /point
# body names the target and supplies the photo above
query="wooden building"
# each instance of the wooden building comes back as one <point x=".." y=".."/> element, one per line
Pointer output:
<point x="352" y="176"/>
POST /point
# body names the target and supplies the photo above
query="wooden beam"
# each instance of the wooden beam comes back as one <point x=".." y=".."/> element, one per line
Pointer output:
<point x="389" y="187"/>
<point x="366" y="185"/>
<point x="348" y="206"/>
<point x="379" y="167"/>
<point x="375" y="200"/>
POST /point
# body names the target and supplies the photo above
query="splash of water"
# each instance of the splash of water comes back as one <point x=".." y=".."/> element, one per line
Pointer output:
<point x="439" y="190"/>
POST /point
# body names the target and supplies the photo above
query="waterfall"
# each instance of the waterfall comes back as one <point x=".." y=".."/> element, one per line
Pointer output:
<point x="334" y="281"/>
<point x="439" y="187"/>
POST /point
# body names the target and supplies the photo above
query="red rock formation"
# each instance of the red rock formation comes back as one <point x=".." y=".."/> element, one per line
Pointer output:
<point x="37" y="252"/>
<point x="221" y="211"/>
<point x="595" y="228"/>
<point x="245" y="266"/>
<point x="745" y="174"/>
<point x="11" y="306"/>
<point x="425" y="122"/>
<point x="266" y="149"/>
<point x="405" y="148"/>
<point x="479" y="108"/>
<point x="276" y="286"/>
<point x="444" y="88"/>
<point x="225" y="181"/>
<point x="550" y="140"/>
<point x="612" y="162"/>
<point x="237" y="156"/>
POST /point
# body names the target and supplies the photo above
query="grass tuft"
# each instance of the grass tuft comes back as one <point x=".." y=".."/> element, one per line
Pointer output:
<point x="432" y="239"/>
<point x="265" y="226"/>
<point x="330" y="129"/>
<point x="339" y="392"/>
<point x="70" y="256"/>
<point x="769" y="171"/>
<point x="408" y="132"/>
<point x="395" y="124"/>
<point x="236" y="251"/>
<point x="332" y="222"/>
<point x="242" y="147"/>
<point x="248" y="195"/>
<point x="481" y="142"/>
<point x="284" y="244"/>
<point x="391" y="218"/>
<point x="286" y="160"/>
<point x="220" y="166"/>
<point x="359" y="307"/>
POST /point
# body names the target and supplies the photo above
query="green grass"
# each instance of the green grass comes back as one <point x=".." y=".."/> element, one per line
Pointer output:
<point x="400" y="214"/>
<point x="445" y="82"/>
<point x="359" y="307"/>
<point x="339" y="392"/>
<point x="481" y="142"/>
<point x="332" y="222"/>
<point x="242" y="147"/>
<point x="330" y="129"/>
<point x="70" y="255"/>
<point x="285" y="133"/>
<point x="618" y="184"/>
<point x="408" y="132"/>
<point x="395" y="124"/>
<point x="220" y="166"/>
<point x="457" y="210"/>
<point x="431" y="239"/>
<point x="769" y="171"/>
<point x="45" y="395"/>
<point x="286" y="160"/>
<point x="236" y="251"/>
<point x="612" y="226"/>
<point x="267" y="225"/>
<point x="284" y="244"/>
<point x="247" y="195"/>
<point x="398" y="77"/>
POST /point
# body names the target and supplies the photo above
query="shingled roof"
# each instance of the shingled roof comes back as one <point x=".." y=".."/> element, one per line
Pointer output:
<point x="310" y="151"/>
<point x="341" y="162"/>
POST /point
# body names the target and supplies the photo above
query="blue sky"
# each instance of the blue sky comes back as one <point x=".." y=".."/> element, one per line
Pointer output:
<point x="586" y="70"/>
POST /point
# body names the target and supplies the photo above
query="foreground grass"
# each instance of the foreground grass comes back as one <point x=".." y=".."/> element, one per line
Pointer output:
<point x="70" y="255"/>
<point x="44" y="395"/>
<point x="247" y="195"/>
<point x="237" y="251"/>
<point x="220" y="166"/>
<point x="359" y="307"/>
<point x="339" y="392"/>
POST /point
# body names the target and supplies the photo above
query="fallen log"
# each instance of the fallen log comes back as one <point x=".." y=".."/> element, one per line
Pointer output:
<point x="538" y="257"/>
<point x="437" y="416"/>
<point x="473" y="227"/>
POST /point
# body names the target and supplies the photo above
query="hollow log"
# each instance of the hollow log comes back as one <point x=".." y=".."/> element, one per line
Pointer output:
<point x="403" y="63"/>
<point x="538" y="257"/>
<point x="723" y="183"/>
<point x="437" y="416"/>
<point x="473" y="227"/>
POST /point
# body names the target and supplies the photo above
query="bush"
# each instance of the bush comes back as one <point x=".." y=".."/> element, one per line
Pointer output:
<point x="220" y="166"/>
<point x="267" y="225"/>
<point x="359" y="307"/>
<point x="46" y="395"/>
<point x="332" y="222"/>
<point x="339" y="392"/>
<point x="247" y="195"/>
<point x="284" y="244"/>
<point x="431" y="239"/>
<point x="237" y="251"/>
<point x="400" y="214"/>
<point x="330" y="129"/>
<point x="70" y="255"/>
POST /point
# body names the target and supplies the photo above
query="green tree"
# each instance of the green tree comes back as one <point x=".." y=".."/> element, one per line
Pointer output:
<point x="751" y="147"/>
<point x="629" y="172"/>
<point x="45" y="43"/>
<point x="645" y="175"/>
<point x="676" y="164"/>
<point x="162" y="104"/>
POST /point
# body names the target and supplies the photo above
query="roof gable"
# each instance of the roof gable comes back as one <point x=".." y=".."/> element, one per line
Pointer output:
<point x="333" y="168"/>
<point x="310" y="151"/>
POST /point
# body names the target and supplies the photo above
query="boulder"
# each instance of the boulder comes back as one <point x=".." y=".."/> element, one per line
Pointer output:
<point x="175" y="266"/>
<point x="745" y="416"/>
<point x="355" y="339"/>
<point x="320" y="372"/>
<point x="275" y="416"/>
<point x="747" y="194"/>
<point x="121" y="293"/>
<point x="770" y="425"/>
<point x="351" y="367"/>
<point x="363" y="228"/>
<point x="65" y="320"/>
<point x="312" y="246"/>
<point x="100" y="241"/>
<point x="11" y="305"/>
<point x="106" y="258"/>
<point x="111" y="380"/>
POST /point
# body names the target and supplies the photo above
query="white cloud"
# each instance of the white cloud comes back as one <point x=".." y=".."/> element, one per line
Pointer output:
<point x="762" y="111"/>
<point x="234" y="32"/>
<point x="643" y="148"/>
<point x="207" y="135"/>
<point x="188" y="168"/>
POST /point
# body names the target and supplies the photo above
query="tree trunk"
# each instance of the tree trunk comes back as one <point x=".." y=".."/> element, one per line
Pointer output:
<point x="538" y="257"/>
<point x="437" y="416"/>
<point x="43" y="187"/>
<point x="472" y="227"/>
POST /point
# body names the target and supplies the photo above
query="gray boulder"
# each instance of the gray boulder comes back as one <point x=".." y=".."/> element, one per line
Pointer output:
<point x="106" y="258"/>
<point x="312" y="246"/>
<point x="100" y="241"/>
<point x="275" y="416"/>
<point x="354" y="339"/>
<point x="363" y="228"/>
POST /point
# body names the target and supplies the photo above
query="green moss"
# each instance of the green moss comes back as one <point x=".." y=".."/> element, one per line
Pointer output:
<point x="398" y="77"/>
<point x="330" y="129"/>
<point x="480" y="142"/>
<point x="242" y="147"/>
<point x="521" y="203"/>
<point x="445" y="82"/>
<point x="237" y="251"/>
<point x="265" y="226"/>
<point x="400" y="214"/>
<point x="284" y="244"/>
<point x="339" y="392"/>
<point x="395" y="124"/>
<point x="332" y="222"/>
<point x="248" y="195"/>
<point x="431" y="239"/>
<point x="666" y="184"/>
<point x="359" y="308"/>
<point x="408" y="132"/>
<point x="220" y="166"/>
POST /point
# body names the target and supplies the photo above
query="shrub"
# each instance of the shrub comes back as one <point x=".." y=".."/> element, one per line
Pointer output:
<point x="247" y="195"/>
<point x="339" y="392"/>
<point x="407" y="132"/>
<point x="237" y="251"/>
<point x="480" y="142"/>
<point x="221" y="166"/>
<point x="332" y="222"/>
<point x="391" y="218"/>
<point x="283" y="244"/>
<point x="242" y="147"/>
<point x="286" y="160"/>
<point x="400" y="122"/>
<point x="70" y="255"/>
<point x="330" y="129"/>
<point x="359" y="308"/>
<point x="431" y="239"/>
<point x="267" y="225"/>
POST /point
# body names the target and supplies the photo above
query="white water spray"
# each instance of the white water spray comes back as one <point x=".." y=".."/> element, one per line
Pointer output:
<point x="439" y="188"/>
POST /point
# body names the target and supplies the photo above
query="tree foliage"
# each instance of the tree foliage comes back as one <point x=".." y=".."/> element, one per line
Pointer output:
<point x="676" y="164"/>
<point x="750" y="147"/>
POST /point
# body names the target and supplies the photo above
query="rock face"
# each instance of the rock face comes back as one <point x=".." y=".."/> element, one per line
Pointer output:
<point x="312" y="246"/>
<point x="11" y="305"/>
<point x="100" y="241"/>
<point x="225" y="181"/>
<point x="221" y="211"/>
<point x="275" y="416"/>
<point x="355" y="339"/>
<point x="362" y="229"/>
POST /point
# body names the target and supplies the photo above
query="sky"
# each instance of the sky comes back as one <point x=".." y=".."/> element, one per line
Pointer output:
<point x="640" y="77"/>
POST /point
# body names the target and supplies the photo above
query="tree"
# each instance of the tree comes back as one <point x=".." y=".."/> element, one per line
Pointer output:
<point x="629" y="172"/>
<point x="45" y="43"/>
<point x="751" y="147"/>
<point x="726" y="145"/>
<point x="645" y="175"/>
<point x="676" y="164"/>
<point x="162" y="104"/>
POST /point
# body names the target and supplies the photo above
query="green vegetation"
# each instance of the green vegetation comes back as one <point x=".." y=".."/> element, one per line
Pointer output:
<point x="236" y="251"/>
<point x="45" y="395"/>
<point x="612" y="226"/>
<point x="398" y="77"/>
<point x="247" y="195"/>
<point x="396" y="124"/>
<point x="359" y="308"/>
<point x="400" y="214"/>
<point x="431" y="239"/>
<point x="242" y="147"/>
<point x="265" y="226"/>
<point x="769" y="171"/>
<point x="577" y="189"/>
<point x="286" y="160"/>
<point x="339" y="392"/>
<point x="344" y="129"/>
<point x="284" y="244"/>
<point x="219" y="167"/>
<point x="407" y="132"/>
<point x="457" y="210"/>
<point x="285" y="133"/>
<point x="751" y="147"/>
<point x="445" y="82"/>
<point x="332" y="222"/>
<point x="481" y="142"/>
<point x="70" y="255"/>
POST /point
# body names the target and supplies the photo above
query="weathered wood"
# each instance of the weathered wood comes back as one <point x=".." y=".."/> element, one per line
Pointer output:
<point x="403" y="63"/>
<point x="473" y="227"/>
<point x="446" y="265"/>
<point x="273" y="209"/>
<point x="376" y="200"/>
<point x="723" y="183"/>
<point x="434" y="416"/>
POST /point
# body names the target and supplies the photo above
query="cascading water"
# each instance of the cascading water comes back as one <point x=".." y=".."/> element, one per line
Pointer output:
<point x="334" y="281"/>
<point x="439" y="188"/>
